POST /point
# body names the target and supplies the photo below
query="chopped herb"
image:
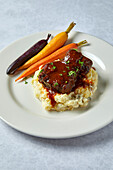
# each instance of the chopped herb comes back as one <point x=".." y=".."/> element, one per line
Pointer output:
<point x="66" y="82"/>
<point x="60" y="74"/>
<point x="64" y="71"/>
<point x="72" y="72"/>
<point x="26" y="82"/>
<point x="54" y="67"/>
<point x="32" y="76"/>
<point x="67" y="62"/>
<point x="81" y="62"/>
<point x="51" y="63"/>
<point x="40" y="72"/>
<point x="56" y="84"/>
<point x="67" y="67"/>
<point x="25" y="78"/>
<point x="77" y="69"/>
<point x="75" y="49"/>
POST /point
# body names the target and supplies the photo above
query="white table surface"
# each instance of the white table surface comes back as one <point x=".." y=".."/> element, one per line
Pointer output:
<point x="19" y="151"/>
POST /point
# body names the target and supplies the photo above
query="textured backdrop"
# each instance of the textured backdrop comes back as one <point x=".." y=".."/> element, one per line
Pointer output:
<point x="18" y="151"/>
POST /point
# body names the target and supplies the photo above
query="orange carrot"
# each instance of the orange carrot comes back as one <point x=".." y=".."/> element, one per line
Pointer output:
<point x="60" y="53"/>
<point x="57" y="42"/>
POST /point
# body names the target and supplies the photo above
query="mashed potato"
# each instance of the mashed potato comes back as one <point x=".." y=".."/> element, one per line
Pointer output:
<point x="80" y="98"/>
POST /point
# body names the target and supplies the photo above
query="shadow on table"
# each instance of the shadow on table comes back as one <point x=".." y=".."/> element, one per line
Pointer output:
<point x="102" y="136"/>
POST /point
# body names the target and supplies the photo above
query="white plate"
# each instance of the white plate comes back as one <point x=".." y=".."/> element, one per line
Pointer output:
<point x="21" y="110"/>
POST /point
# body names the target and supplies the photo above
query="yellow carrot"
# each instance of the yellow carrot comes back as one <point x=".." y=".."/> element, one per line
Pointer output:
<point x="60" y="53"/>
<point x="57" y="42"/>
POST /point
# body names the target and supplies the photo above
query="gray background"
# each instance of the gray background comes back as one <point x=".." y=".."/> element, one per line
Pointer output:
<point x="18" y="151"/>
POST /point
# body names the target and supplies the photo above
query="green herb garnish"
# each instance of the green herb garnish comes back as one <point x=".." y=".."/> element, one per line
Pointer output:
<point x="64" y="71"/>
<point x="56" y="84"/>
<point x="75" y="49"/>
<point x="67" y="62"/>
<point x="25" y="78"/>
<point x="40" y="72"/>
<point x="71" y="73"/>
<point x="54" y="67"/>
<point x="81" y="62"/>
<point x="51" y="63"/>
<point x="26" y="82"/>
<point x="67" y="67"/>
<point x="60" y="74"/>
<point x="77" y="69"/>
<point x="66" y="82"/>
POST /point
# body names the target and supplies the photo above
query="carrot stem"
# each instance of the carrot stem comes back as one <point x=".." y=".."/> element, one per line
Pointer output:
<point x="81" y="43"/>
<point x="48" y="37"/>
<point x="56" y="43"/>
<point x="70" y="27"/>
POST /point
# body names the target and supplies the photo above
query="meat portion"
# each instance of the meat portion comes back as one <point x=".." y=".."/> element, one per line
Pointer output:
<point x="65" y="75"/>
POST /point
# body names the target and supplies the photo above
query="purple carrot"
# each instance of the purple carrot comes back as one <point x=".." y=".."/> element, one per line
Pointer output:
<point x="36" y="48"/>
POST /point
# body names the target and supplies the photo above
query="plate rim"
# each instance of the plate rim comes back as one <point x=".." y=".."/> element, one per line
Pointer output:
<point x="58" y="137"/>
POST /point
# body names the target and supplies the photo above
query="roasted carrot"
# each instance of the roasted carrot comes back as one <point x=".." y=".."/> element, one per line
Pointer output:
<point x="60" y="53"/>
<point x="36" y="48"/>
<point x="57" y="42"/>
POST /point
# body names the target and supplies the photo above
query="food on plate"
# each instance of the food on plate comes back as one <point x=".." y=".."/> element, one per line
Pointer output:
<point x="60" y="53"/>
<point x="36" y="48"/>
<point x="67" y="83"/>
<point x="57" y="42"/>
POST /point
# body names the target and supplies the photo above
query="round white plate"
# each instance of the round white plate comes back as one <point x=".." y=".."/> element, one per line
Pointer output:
<point x="20" y="109"/>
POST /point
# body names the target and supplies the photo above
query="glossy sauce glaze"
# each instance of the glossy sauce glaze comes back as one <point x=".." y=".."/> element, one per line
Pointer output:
<point x="64" y="76"/>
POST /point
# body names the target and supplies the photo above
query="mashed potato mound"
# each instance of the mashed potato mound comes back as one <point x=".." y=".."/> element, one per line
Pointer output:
<point x="80" y="98"/>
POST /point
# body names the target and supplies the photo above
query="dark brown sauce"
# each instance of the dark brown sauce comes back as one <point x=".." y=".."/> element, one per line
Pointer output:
<point x="51" y="95"/>
<point x="94" y="68"/>
<point x="80" y="83"/>
<point x="64" y="76"/>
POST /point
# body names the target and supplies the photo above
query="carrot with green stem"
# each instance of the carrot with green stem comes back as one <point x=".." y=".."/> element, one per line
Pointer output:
<point x="57" y="42"/>
<point x="60" y="53"/>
